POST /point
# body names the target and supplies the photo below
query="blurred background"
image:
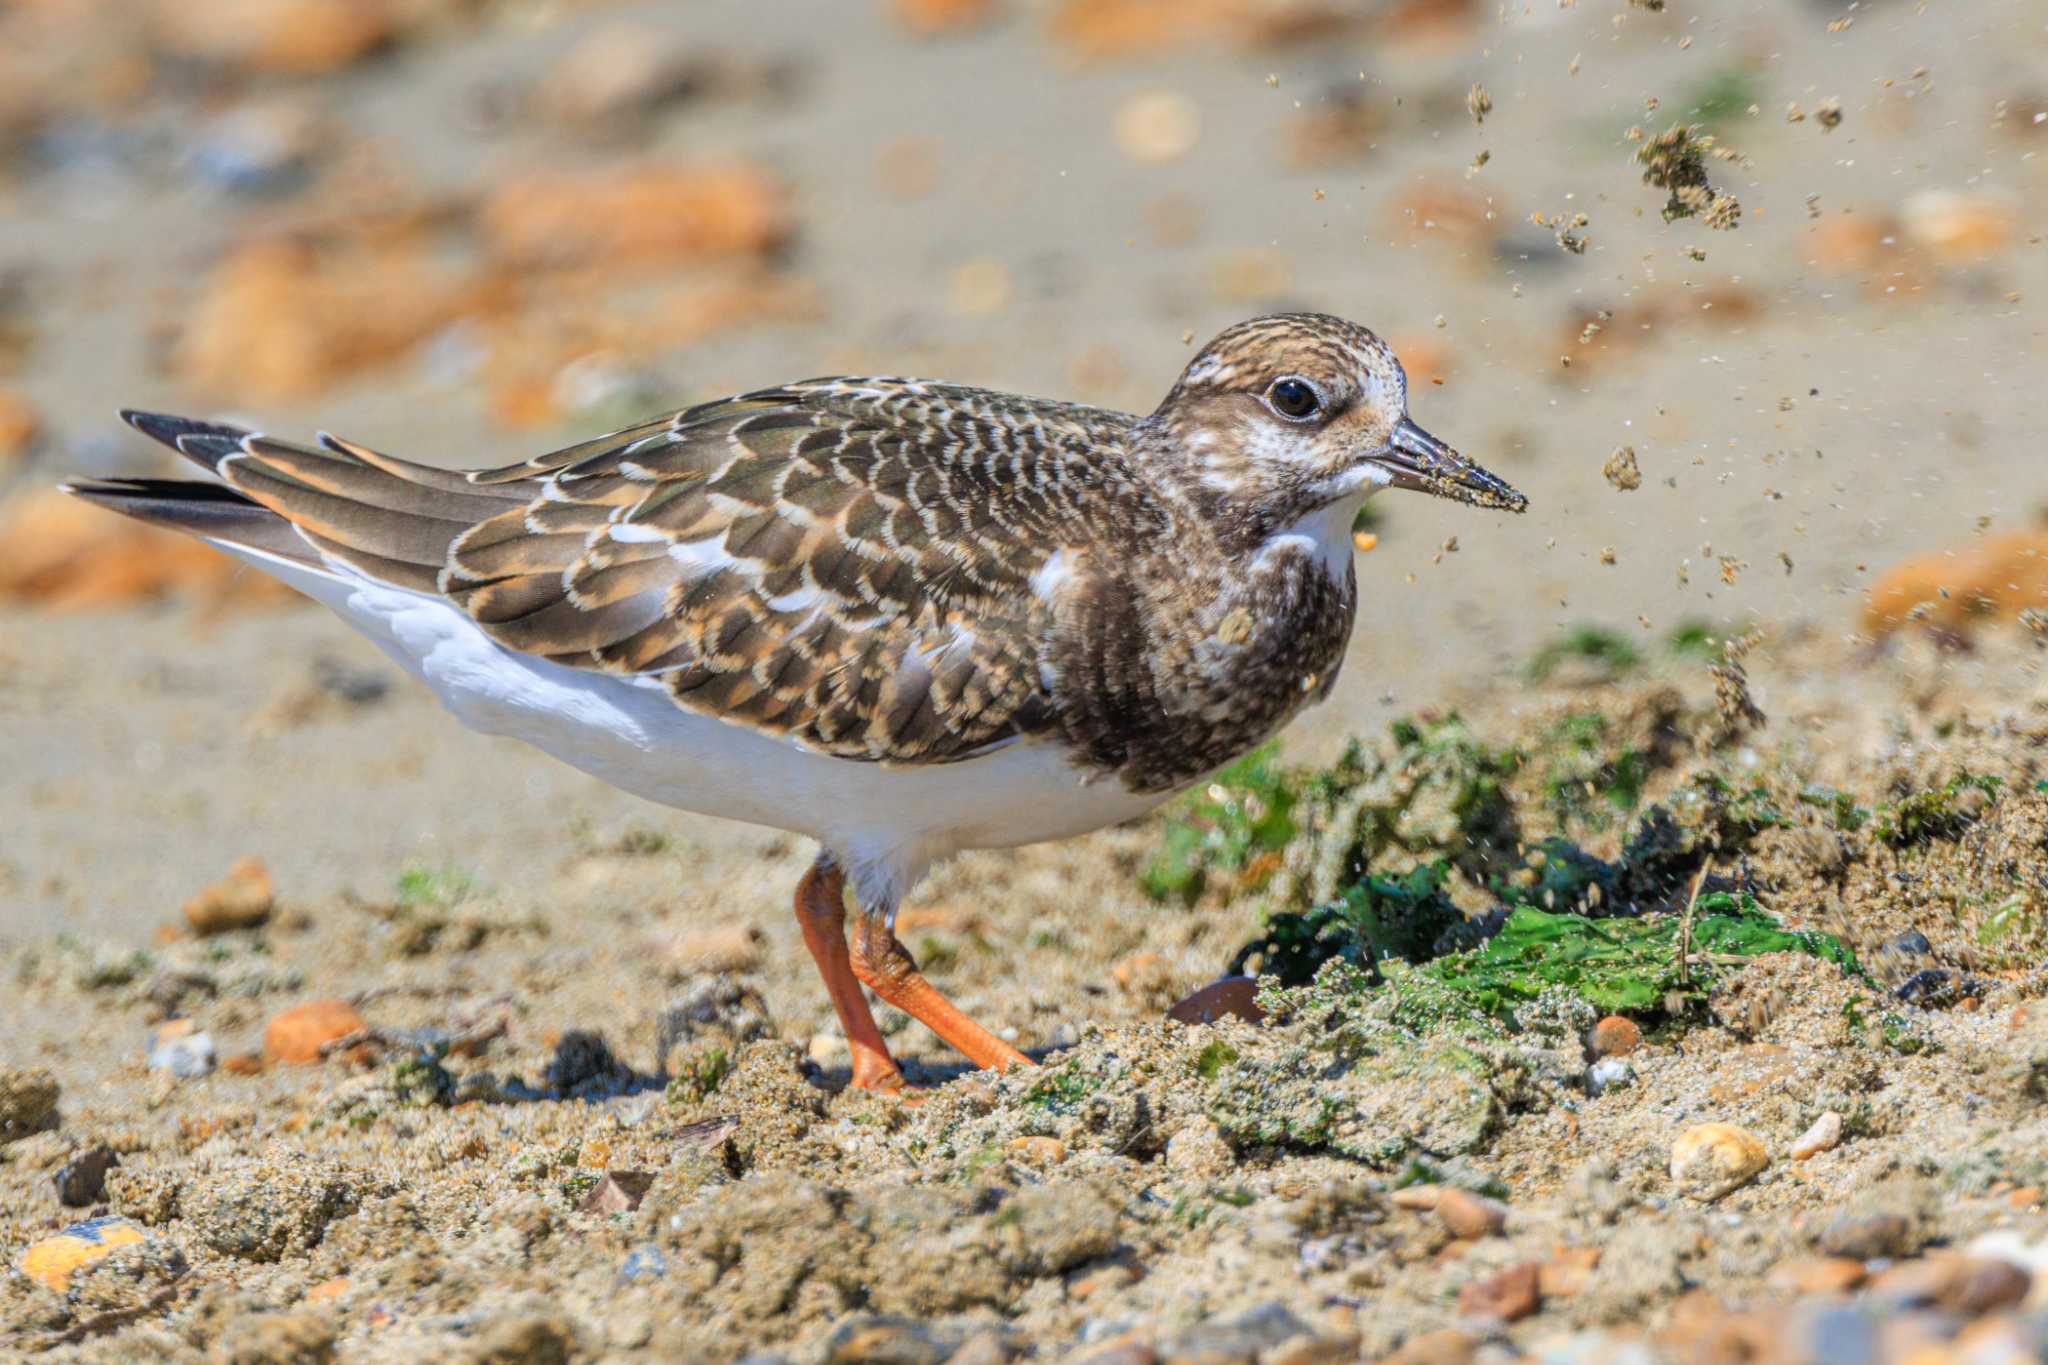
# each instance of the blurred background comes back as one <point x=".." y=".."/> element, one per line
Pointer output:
<point x="467" y="231"/>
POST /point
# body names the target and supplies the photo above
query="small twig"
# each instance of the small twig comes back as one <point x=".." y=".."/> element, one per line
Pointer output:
<point x="1685" y="924"/>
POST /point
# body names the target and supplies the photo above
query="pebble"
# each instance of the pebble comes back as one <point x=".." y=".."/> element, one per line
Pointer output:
<point x="28" y="1101"/>
<point x="1157" y="127"/>
<point x="1710" y="1160"/>
<point x="618" y="1192"/>
<point x="716" y="948"/>
<point x="1966" y="1285"/>
<point x="643" y="1263"/>
<point x="259" y="149"/>
<point x="1818" y="1274"/>
<point x="241" y="900"/>
<point x="1470" y="1215"/>
<point x="888" y="1341"/>
<point x="178" y="1048"/>
<point x="1248" y="1336"/>
<point x="52" y="1261"/>
<point x="1614" y="1036"/>
<point x="296" y="1035"/>
<point x="1869" y="1236"/>
<point x="1445" y="1346"/>
<point x="1609" y="1073"/>
<point x="1508" y="1296"/>
<point x="1823" y="1135"/>
<point x="1037" y="1151"/>
<point x="1423" y="1197"/>
<point x="1567" y="1272"/>
<point x="1234" y="997"/>
<point x="329" y="1290"/>
<point x="1106" y="1280"/>
<point x="83" y="1179"/>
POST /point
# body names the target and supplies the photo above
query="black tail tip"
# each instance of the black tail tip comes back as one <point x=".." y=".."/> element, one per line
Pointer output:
<point x="207" y="442"/>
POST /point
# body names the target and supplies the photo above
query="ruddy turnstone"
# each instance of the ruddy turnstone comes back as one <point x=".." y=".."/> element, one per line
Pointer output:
<point x="902" y="618"/>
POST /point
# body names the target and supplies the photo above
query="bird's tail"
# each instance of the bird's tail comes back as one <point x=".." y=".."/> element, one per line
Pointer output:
<point x="386" y="518"/>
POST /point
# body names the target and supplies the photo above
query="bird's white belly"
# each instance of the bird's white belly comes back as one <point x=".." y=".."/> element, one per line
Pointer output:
<point x="888" y="823"/>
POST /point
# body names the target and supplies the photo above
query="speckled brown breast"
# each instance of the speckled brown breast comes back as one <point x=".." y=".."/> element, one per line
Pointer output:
<point x="1164" y="677"/>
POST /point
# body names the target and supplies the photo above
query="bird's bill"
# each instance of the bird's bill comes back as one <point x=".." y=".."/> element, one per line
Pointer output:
<point x="1420" y="461"/>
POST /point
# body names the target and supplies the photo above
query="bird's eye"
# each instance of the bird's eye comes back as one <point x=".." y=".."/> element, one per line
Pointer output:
<point x="1294" y="398"/>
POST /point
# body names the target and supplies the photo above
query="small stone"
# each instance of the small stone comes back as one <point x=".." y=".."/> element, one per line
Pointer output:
<point x="1246" y="1337"/>
<point x="618" y="1192"/>
<point x="1106" y="1280"/>
<point x="1609" y="1073"/>
<point x="178" y="1048"/>
<point x="1234" y="997"/>
<point x="1710" y="1160"/>
<point x="1445" y="1346"/>
<point x="1818" y="1274"/>
<point x="1509" y="1296"/>
<point x="929" y="18"/>
<point x="1624" y="473"/>
<point x="51" y="1262"/>
<point x="297" y="1035"/>
<point x="1868" y="1236"/>
<point x="1614" y="1036"/>
<point x="1470" y="1215"/>
<point x="28" y="1101"/>
<point x="716" y="948"/>
<point x="329" y="1290"/>
<point x="1036" y="1151"/>
<point x="83" y="1179"/>
<point x="643" y="1263"/>
<point x="1157" y="127"/>
<point x="583" y="1067"/>
<point x="1420" y="1197"/>
<point x="1824" y="1134"/>
<point x="240" y="900"/>
<point x="888" y="1341"/>
<point x="1979" y="1286"/>
<point x="1567" y="1272"/>
<point x="244" y="1064"/>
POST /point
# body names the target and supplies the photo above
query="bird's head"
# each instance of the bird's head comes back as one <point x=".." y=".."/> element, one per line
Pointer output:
<point x="1282" y="416"/>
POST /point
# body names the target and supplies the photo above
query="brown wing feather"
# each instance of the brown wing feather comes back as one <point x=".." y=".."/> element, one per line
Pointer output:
<point x="848" y="562"/>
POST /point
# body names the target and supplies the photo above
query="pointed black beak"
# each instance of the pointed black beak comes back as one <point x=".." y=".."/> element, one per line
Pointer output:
<point x="1419" y="460"/>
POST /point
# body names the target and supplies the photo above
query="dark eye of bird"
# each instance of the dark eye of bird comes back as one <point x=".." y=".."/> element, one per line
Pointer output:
<point x="1294" y="398"/>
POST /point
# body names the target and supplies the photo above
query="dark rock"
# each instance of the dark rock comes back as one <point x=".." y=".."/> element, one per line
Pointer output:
<point x="1929" y="989"/>
<point x="83" y="1179"/>
<point x="583" y="1067"/>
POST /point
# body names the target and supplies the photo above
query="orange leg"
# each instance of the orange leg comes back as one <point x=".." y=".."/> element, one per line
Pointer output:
<point x="886" y="966"/>
<point x="821" y="913"/>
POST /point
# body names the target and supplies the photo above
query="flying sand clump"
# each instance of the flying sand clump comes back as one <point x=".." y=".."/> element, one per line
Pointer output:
<point x="1675" y="160"/>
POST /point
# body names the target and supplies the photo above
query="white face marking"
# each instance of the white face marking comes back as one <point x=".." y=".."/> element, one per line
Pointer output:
<point x="1325" y="534"/>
